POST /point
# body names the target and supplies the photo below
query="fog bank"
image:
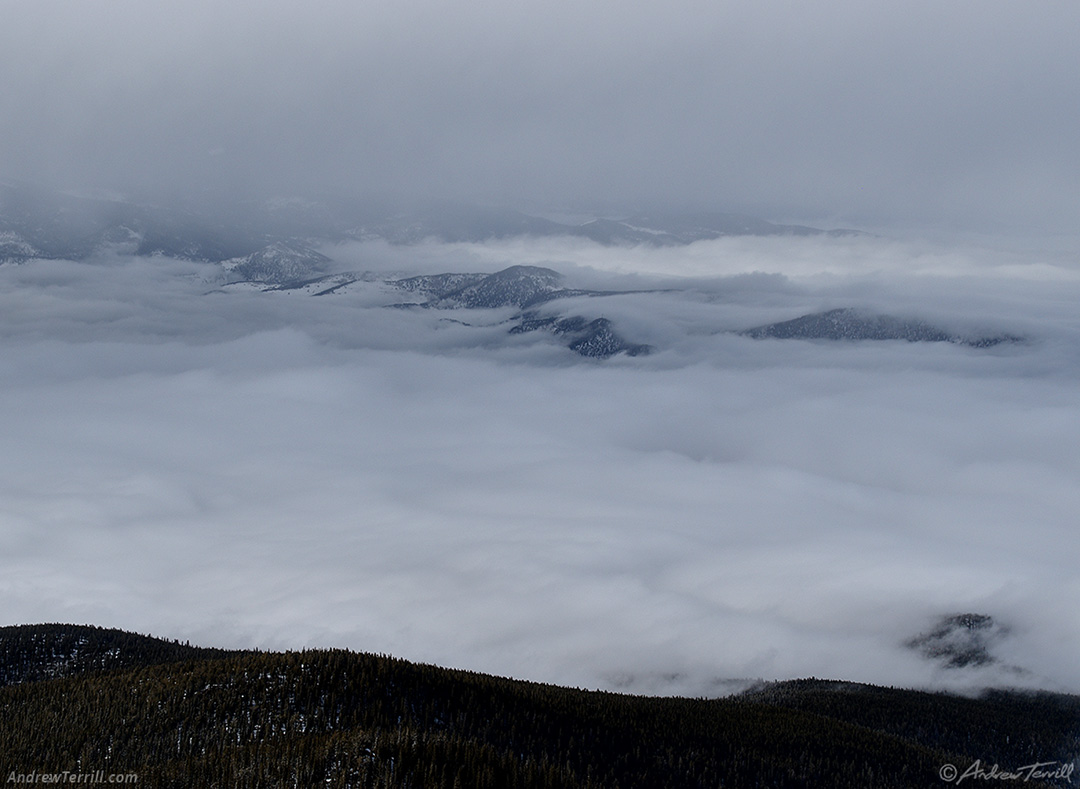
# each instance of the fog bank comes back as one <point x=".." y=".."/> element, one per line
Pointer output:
<point x="276" y="470"/>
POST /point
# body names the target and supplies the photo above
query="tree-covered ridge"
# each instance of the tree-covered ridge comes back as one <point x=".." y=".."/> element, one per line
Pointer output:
<point x="34" y="652"/>
<point x="337" y="718"/>
<point x="1012" y="728"/>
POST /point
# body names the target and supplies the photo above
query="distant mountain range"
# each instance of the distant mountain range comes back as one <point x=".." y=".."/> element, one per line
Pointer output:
<point x="523" y="288"/>
<point x="39" y="223"/>
<point x="87" y="699"/>
<point x="271" y="247"/>
<point x="534" y="291"/>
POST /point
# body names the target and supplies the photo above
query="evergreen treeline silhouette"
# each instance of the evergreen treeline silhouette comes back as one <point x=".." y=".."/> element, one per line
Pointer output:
<point x="86" y="699"/>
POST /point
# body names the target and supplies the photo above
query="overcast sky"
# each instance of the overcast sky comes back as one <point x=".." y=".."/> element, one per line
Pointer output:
<point x="957" y="113"/>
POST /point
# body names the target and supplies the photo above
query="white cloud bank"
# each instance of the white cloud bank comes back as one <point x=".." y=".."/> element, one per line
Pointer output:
<point x="275" y="470"/>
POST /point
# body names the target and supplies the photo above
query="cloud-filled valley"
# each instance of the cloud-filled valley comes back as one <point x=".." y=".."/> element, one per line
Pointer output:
<point x="245" y="467"/>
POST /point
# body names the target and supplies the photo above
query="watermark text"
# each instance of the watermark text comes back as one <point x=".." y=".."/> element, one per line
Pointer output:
<point x="72" y="777"/>
<point x="1037" y="771"/>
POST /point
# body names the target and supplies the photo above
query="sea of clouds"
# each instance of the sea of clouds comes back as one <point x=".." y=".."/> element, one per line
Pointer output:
<point x="248" y="469"/>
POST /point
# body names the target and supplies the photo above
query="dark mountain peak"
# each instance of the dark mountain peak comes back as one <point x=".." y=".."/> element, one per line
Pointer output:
<point x="960" y="640"/>
<point x="599" y="340"/>
<point x="16" y="249"/>
<point x="278" y="263"/>
<point x="537" y="275"/>
<point x="595" y="338"/>
<point x="516" y="286"/>
<point x="845" y="323"/>
<point x="849" y="324"/>
<point x="435" y="286"/>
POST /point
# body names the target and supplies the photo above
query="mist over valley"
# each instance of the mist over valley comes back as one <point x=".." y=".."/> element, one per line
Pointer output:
<point x="542" y="456"/>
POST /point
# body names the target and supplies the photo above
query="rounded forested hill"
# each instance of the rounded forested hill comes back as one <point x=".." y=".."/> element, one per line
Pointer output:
<point x="30" y="653"/>
<point x="341" y="719"/>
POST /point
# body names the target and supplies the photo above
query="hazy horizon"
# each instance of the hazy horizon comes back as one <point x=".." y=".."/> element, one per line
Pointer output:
<point x="957" y="115"/>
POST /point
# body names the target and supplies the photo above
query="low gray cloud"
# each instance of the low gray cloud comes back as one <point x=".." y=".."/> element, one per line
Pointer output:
<point x="951" y="114"/>
<point x="280" y="470"/>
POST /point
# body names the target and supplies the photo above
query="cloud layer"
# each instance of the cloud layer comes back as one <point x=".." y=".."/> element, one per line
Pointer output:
<point x="955" y="113"/>
<point x="278" y="470"/>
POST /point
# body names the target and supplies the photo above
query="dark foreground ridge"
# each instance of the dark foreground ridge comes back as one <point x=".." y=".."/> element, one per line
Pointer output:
<point x="89" y="699"/>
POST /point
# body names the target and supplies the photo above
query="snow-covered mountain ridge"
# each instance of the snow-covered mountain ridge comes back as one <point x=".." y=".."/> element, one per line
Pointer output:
<point x="540" y="302"/>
